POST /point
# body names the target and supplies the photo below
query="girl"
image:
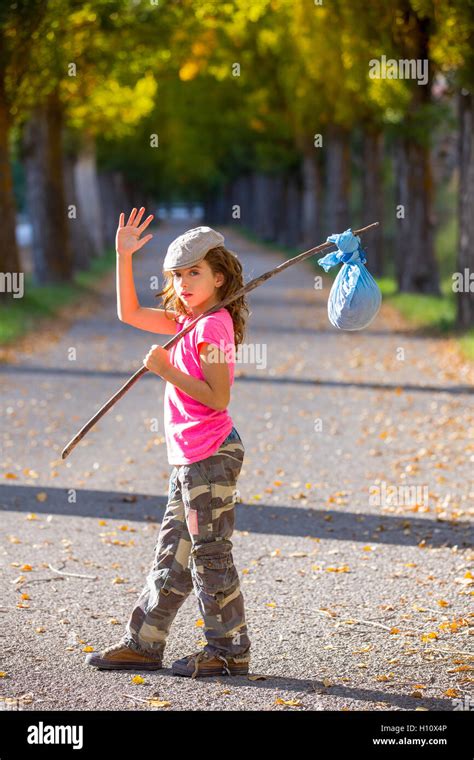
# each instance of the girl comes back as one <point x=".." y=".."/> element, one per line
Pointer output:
<point x="194" y="550"/>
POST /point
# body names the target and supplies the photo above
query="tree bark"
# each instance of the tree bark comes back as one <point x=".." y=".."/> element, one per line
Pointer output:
<point x="290" y="212"/>
<point x="42" y="154"/>
<point x="311" y="199"/>
<point x="87" y="188"/>
<point x="373" y="197"/>
<point x="247" y="201"/>
<point x="465" y="299"/>
<point x="9" y="256"/>
<point x="265" y="196"/>
<point x="81" y="243"/>
<point x="415" y="263"/>
<point x="113" y="202"/>
<point x="338" y="180"/>
<point x="259" y="186"/>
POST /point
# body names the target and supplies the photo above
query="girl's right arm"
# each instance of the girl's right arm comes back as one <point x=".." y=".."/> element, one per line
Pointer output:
<point x="128" y="308"/>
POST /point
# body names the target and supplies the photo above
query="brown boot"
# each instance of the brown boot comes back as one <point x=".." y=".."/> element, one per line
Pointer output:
<point x="204" y="664"/>
<point x="121" y="657"/>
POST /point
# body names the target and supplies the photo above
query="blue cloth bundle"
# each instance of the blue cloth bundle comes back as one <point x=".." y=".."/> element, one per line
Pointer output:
<point x="355" y="297"/>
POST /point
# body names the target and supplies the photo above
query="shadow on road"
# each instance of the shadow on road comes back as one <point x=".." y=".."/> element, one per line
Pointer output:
<point x="312" y="522"/>
<point x="247" y="378"/>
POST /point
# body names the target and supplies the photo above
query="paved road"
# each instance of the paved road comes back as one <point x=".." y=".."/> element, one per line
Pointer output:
<point x="353" y="602"/>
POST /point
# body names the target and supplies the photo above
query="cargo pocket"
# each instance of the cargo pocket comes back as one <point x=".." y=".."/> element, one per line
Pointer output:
<point x="214" y="573"/>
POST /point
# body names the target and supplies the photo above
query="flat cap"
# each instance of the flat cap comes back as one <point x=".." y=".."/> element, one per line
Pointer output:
<point x="190" y="247"/>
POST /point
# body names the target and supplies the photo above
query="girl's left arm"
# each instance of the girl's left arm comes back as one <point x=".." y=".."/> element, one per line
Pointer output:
<point x="213" y="391"/>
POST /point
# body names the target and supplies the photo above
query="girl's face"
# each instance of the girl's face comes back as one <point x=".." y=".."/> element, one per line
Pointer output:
<point x="196" y="286"/>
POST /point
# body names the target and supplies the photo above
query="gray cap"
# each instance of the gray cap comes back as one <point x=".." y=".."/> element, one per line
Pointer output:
<point x="191" y="247"/>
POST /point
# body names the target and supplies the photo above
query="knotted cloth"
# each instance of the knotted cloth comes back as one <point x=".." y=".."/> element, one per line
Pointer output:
<point x="355" y="297"/>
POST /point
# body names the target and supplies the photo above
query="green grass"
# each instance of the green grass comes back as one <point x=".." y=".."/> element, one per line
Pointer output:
<point x="436" y="314"/>
<point x="425" y="311"/>
<point x="466" y="344"/>
<point x="19" y="315"/>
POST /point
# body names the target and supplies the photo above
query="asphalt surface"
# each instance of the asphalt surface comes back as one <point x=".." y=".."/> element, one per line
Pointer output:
<point x="353" y="602"/>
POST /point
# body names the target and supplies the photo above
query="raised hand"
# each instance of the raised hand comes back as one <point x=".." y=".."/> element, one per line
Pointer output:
<point x="127" y="239"/>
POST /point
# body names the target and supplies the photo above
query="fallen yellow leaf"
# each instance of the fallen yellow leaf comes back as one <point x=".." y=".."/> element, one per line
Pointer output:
<point x="451" y="693"/>
<point x="289" y="702"/>
<point x="157" y="702"/>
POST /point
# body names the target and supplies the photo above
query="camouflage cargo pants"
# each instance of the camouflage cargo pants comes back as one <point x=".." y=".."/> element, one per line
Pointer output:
<point x="194" y="551"/>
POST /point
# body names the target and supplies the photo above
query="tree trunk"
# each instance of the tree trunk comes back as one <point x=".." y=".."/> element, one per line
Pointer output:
<point x="415" y="263"/>
<point x="373" y="198"/>
<point x="113" y="202"/>
<point x="465" y="298"/>
<point x="87" y="188"/>
<point x="81" y="243"/>
<point x="265" y="194"/>
<point x="311" y="199"/>
<point x="275" y="210"/>
<point x="208" y="205"/>
<point x="258" y="190"/>
<point x="290" y="212"/>
<point x="338" y="181"/>
<point x="42" y="154"/>
<point x="9" y="257"/>
<point x="247" y="201"/>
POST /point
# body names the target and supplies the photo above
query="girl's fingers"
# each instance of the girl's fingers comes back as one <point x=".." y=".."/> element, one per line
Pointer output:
<point x="142" y="242"/>
<point x="145" y="224"/>
<point x="121" y="219"/>
<point x="138" y="217"/>
<point x="132" y="216"/>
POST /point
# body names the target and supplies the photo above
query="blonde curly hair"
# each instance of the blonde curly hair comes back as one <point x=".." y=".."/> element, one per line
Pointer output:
<point x="224" y="261"/>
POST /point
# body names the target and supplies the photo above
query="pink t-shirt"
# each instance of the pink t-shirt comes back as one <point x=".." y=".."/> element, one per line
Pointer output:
<point x="194" y="431"/>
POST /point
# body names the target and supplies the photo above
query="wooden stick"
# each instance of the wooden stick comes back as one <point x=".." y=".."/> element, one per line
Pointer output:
<point x="245" y="289"/>
<point x="72" y="575"/>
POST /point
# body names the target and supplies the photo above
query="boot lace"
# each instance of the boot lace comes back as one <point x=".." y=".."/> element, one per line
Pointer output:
<point x="204" y="655"/>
